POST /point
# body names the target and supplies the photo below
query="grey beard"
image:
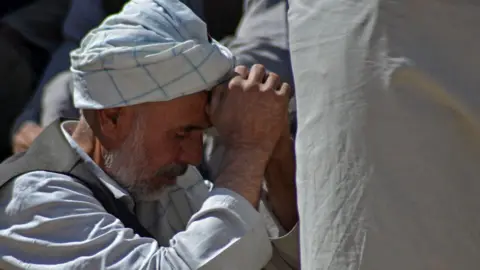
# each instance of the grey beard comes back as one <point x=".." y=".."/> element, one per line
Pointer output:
<point x="127" y="167"/>
<point x="126" y="164"/>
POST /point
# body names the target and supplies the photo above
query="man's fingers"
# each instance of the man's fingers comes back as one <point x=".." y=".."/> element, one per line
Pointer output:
<point x="284" y="90"/>
<point x="18" y="149"/>
<point x="19" y="144"/>
<point x="218" y="92"/>
<point x="257" y="73"/>
<point x="25" y="136"/>
<point x="242" y="71"/>
<point x="236" y="82"/>
<point x="32" y="134"/>
<point x="273" y="82"/>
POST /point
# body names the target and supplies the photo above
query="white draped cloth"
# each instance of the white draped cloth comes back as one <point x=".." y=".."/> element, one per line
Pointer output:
<point x="388" y="143"/>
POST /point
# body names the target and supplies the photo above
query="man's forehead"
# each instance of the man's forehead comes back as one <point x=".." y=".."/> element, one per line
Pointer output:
<point x="185" y="112"/>
<point x="194" y="118"/>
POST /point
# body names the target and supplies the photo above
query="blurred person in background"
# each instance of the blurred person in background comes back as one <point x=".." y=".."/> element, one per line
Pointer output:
<point x="29" y="33"/>
<point x="82" y="16"/>
<point x="7" y="7"/>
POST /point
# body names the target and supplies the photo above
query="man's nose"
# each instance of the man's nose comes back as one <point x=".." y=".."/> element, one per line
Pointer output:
<point x="192" y="149"/>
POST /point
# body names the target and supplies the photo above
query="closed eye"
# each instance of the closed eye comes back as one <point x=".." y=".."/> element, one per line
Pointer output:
<point x="187" y="130"/>
<point x="181" y="135"/>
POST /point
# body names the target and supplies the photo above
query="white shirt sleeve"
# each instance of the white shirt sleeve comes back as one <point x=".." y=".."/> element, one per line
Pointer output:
<point x="50" y="221"/>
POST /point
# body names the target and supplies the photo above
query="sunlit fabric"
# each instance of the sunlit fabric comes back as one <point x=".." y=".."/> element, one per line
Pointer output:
<point x="388" y="144"/>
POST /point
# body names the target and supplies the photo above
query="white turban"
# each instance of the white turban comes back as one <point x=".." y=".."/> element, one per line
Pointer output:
<point x="153" y="50"/>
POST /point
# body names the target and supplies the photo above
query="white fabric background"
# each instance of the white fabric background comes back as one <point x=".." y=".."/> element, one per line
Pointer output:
<point x="389" y="162"/>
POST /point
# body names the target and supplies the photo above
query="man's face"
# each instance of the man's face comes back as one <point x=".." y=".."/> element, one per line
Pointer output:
<point x="155" y="143"/>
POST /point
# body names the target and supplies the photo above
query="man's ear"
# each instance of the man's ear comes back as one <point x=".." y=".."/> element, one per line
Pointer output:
<point x="114" y="123"/>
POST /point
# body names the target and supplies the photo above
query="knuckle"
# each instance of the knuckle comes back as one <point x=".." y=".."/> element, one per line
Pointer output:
<point x="241" y="69"/>
<point x="264" y="88"/>
<point x="284" y="90"/>
<point x="252" y="86"/>
<point x="274" y="75"/>
<point x="274" y="79"/>
<point x="236" y="82"/>
<point x="280" y="93"/>
<point x="259" y="67"/>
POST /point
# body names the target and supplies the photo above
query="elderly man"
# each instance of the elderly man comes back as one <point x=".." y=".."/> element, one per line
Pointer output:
<point x="117" y="190"/>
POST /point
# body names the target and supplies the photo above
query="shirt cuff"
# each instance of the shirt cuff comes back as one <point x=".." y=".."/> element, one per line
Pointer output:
<point x="225" y="199"/>
<point x="239" y="230"/>
<point x="286" y="243"/>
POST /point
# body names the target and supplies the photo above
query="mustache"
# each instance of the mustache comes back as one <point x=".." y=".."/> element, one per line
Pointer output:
<point x="172" y="170"/>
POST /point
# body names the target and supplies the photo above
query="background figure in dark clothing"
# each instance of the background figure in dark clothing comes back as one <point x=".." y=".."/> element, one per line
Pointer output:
<point x="28" y="34"/>
<point x="82" y="17"/>
<point x="7" y="7"/>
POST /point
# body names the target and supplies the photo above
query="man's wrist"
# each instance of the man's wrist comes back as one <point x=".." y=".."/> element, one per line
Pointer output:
<point x="242" y="171"/>
<point x="251" y="160"/>
<point x="280" y="181"/>
<point x="284" y="148"/>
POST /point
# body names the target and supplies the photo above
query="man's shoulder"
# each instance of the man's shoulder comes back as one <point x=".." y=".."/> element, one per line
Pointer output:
<point x="39" y="188"/>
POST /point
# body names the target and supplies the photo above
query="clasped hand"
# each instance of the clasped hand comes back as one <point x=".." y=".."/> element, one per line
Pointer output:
<point x="251" y="112"/>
